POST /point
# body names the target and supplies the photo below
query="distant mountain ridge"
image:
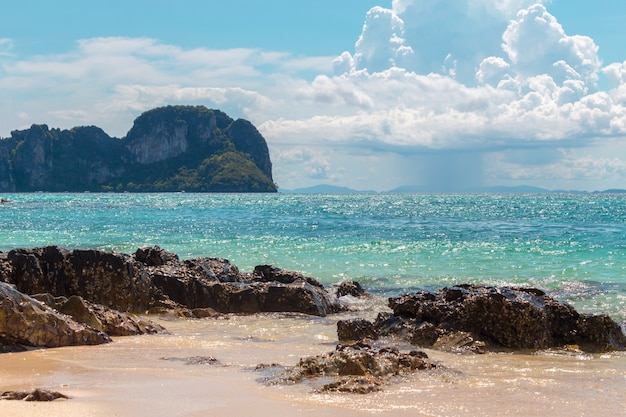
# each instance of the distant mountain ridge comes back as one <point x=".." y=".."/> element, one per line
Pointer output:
<point x="173" y="148"/>
<point x="324" y="189"/>
<point x="503" y="189"/>
<point x="408" y="189"/>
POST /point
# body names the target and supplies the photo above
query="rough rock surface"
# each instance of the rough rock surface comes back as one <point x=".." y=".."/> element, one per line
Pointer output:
<point x="357" y="368"/>
<point x="351" y="288"/>
<point x="153" y="279"/>
<point x="216" y="283"/>
<point x="35" y="395"/>
<point x="99" y="317"/>
<point x="356" y="329"/>
<point x="26" y="321"/>
<point x="113" y="279"/>
<point x="472" y="317"/>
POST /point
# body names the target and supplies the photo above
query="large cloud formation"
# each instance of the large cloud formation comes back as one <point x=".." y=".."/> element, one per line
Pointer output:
<point x="496" y="78"/>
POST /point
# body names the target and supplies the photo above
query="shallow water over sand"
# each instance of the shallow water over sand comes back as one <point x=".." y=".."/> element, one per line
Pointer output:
<point x="130" y="377"/>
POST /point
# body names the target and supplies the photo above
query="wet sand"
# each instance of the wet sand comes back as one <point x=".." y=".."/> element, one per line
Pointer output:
<point x="130" y="377"/>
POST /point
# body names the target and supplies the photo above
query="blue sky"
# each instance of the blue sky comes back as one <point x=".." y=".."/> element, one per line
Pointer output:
<point x="365" y="94"/>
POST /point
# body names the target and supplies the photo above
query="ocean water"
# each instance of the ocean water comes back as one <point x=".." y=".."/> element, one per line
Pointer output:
<point x="573" y="246"/>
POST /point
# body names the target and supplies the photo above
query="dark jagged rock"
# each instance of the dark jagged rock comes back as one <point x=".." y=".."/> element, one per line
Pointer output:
<point x="356" y="329"/>
<point x="112" y="279"/>
<point x="11" y="348"/>
<point x="472" y="317"/>
<point x="169" y="148"/>
<point x="26" y="321"/>
<point x="155" y="256"/>
<point x="99" y="317"/>
<point x="357" y="368"/>
<point x="154" y="279"/>
<point x="35" y="395"/>
<point x="245" y="297"/>
<point x="270" y="273"/>
<point x="216" y="283"/>
<point x="351" y="288"/>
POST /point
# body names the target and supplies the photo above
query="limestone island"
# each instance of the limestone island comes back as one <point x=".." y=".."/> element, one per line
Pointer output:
<point x="168" y="149"/>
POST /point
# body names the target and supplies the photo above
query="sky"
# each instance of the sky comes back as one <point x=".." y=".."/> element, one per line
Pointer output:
<point x="372" y="95"/>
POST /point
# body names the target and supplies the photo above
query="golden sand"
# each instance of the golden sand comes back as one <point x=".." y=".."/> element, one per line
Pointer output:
<point x="130" y="377"/>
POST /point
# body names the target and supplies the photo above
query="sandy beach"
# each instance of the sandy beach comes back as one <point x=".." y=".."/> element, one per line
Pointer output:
<point x="149" y="376"/>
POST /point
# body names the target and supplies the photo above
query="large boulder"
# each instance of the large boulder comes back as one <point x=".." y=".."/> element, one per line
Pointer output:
<point x="26" y="321"/>
<point x="113" y="279"/>
<point x="471" y="317"/>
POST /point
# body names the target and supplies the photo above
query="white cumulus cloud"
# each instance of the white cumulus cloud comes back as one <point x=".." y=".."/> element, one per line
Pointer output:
<point x="465" y="76"/>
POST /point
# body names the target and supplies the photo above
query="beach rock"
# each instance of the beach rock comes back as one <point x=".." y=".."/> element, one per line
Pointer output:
<point x="357" y="368"/>
<point x="153" y="279"/>
<point x="155" y="256"/>
<point x="99" y="317"/>
<point x="351" y="288"/>
<point x="270" y="273"/>
<point x="194" y="360"/>
<point x="115" y="280"/>
<point x="190" y="283"/>
<point x="255" y="297"/>
<point x="355" y="329"/>
<point x="11" y="348"/>
<point x="35" y="395"/>
<point x="26" y="321"/>
<point x="217" y="284"/>
<point x="475" y="317"/>
<point x="458" y="342"/>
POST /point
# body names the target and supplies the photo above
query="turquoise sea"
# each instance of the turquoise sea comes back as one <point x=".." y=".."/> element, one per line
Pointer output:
<point x="573" y="246"/>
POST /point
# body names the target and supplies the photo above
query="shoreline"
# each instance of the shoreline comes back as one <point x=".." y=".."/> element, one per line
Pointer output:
<point x="129" y="377"/>
<point x="219" y="365"/>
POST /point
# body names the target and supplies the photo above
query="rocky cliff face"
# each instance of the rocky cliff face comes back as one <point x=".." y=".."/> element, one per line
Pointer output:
<point x="6" y="177"/>
<point x="168" y="132"/>
<point x="32" y="159"/>
<point x="247" y="139"/>
<point x="167" y="149"/>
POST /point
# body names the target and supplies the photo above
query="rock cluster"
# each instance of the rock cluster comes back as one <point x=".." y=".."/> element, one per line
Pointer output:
<point x="475" y="317"/>
<point x="112" y="279"/>
<point x="153" y="279"/>
<point x="26" y="321"/>
<point x="98" y="289"/>
<point x="356" y="368"/>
